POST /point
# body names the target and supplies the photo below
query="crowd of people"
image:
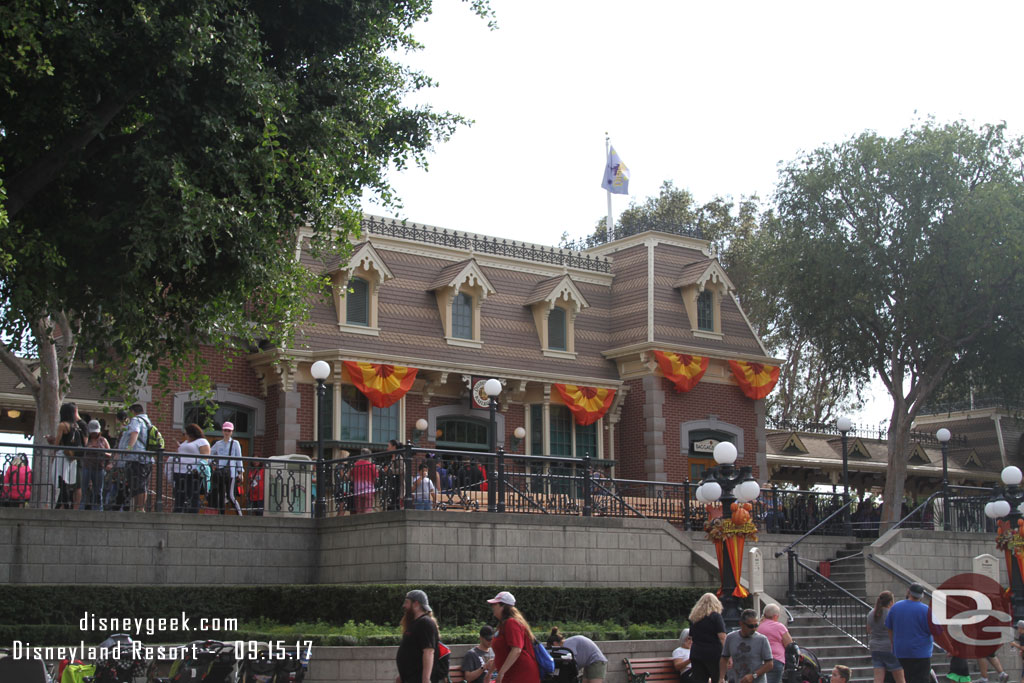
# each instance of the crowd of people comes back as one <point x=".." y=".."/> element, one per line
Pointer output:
<point x="506" y="654"/>
<point x="87" y="472"/>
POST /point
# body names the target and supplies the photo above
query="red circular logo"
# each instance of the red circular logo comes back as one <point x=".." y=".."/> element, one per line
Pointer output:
<point x="974" y="614"/>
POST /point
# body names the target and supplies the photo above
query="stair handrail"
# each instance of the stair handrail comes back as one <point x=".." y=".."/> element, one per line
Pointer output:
<point x="789" y="548"/>
<point x="842" y="591"/>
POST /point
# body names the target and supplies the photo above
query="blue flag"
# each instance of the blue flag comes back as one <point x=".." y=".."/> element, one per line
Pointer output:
<point x="616" y="175"/>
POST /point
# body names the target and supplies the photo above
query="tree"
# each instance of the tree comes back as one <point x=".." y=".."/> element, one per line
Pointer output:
<point x="160" y="157"/>
<point x="903" y="257"/>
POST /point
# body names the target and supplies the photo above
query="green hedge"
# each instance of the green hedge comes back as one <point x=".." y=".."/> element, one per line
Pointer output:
<point x="51" y="614"/>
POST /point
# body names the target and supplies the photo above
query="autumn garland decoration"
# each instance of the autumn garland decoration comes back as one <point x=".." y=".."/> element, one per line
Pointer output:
<point x="1008" y="538"/>
<point x="740" y="524"/>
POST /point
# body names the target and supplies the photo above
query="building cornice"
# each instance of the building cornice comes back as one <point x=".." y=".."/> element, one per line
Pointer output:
<point x="335" y="356"/>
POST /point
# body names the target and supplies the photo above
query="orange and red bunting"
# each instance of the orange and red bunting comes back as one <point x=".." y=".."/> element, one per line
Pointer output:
<point x="681" y="369"/>
<point x="382" y="384"/>
<point x="587" y="404"/>
<point x="756" y="380"/>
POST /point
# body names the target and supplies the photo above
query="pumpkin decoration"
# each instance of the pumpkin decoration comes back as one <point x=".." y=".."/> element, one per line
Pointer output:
<point x="740" y="515"/>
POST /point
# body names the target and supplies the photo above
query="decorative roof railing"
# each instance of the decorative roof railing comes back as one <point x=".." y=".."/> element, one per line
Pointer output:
<point x="971" y="404"/>
<point x="482" y="244"/>
<point x="601" y="236"/>
<point x="881" y="432"/>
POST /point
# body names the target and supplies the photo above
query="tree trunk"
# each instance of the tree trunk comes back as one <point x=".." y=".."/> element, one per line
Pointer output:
<point x="896" y="477"/>
<point x="48" y="396"/>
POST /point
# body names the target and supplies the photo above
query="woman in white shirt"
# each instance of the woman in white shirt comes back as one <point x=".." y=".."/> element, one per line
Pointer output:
<point x="185" y="469"/>
<point x="681" y="655"/>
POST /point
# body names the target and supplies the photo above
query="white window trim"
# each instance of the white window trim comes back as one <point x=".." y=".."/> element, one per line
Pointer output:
<point x="470" y="281"/>
<point x="567" y="296"/>
<point x="336" y="417"/>
<point x="368" y="265"/>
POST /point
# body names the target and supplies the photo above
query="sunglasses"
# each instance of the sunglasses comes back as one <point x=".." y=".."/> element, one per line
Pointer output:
<point x="750" y="626"/>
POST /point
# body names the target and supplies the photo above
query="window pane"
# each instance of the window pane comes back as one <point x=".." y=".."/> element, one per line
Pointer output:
<point x="462" y="316"/>
<point x="385" y="423"/>
<point x="357" y="302"/>
<point x="561" y="431"/>
<point x="586" y="440"/>
<point x="705" y="313"/>
<point x="355" y="414"/>
<point x="556" y="329"/>
<point x="459" y="433"/>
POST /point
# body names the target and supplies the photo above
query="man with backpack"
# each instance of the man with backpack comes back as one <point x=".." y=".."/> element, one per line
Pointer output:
<point x="137" y="462"/>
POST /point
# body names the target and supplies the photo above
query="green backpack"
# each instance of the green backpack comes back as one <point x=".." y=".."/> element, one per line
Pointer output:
<point x="154" y="439"/>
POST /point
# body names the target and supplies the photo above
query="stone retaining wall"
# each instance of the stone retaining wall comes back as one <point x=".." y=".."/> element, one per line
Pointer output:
<point x="377" y="664"/>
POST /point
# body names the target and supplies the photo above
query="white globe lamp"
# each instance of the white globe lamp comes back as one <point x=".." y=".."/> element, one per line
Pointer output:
<point x="725" y="453"/>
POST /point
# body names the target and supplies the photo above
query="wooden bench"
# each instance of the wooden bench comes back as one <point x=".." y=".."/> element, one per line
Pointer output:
<point x="650" y="670"/>
<point x="455" y="674"/>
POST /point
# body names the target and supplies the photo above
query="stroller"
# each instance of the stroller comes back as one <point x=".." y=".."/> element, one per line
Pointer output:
<point x="264" y="669"/>
<point x="123" y="668"/>
<point x="566" y="669"/>
<point x="205" y="661"/>
<point x="802" y="666"/>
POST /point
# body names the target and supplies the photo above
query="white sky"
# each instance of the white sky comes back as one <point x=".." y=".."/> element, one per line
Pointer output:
<point x="711" y="95"/>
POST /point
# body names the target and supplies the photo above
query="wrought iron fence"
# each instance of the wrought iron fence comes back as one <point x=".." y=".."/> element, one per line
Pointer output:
<point x="45" y="476"/>
<point x="122" y="480"/>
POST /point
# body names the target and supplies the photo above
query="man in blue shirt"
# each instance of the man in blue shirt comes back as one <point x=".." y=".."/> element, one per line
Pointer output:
<point x="911" y="635"/>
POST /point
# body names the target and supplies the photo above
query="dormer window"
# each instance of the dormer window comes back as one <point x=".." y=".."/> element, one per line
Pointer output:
<point x="703" y="285"/>
<point x="357" y="302"/>
<point x="705" y="311"/>
<point x="555" y="303"/>
<point x="556" y="329"/>
<point x="462" y="316"/>
<point x="355" y="287"/>
<point x="461" y="289"/>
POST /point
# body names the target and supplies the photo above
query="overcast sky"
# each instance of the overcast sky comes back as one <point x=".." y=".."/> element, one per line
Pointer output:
<point x="710" y="95"/>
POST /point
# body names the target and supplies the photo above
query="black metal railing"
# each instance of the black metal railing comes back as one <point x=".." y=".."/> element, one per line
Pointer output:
<point x="830" y="601"/>
<point x="44" y="476"/>
<point x="481" y="244"/>
<point x="601" y="236"/>
<point x="34" y="476"/>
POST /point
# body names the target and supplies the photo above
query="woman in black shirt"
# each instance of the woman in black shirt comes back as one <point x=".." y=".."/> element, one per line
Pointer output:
<point x="707" y="629"/>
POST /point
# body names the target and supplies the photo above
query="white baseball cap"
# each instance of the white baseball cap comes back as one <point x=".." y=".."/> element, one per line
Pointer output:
<point x="504" y="597"/>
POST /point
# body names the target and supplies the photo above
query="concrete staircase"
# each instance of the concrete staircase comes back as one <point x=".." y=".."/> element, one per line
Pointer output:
<point x="831" y="645"/>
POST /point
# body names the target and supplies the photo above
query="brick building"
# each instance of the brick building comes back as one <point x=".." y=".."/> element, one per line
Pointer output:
<point x="462" y="308"/>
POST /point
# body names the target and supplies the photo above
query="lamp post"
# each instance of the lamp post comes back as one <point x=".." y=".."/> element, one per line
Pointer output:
<point x="943" y="436"/>
<point x="845" y="425"/>
<point x="492" y="388"/>
<point x="1005" y="505"/>
<point x="729" y="484"/>
<point x="320" y="371"/>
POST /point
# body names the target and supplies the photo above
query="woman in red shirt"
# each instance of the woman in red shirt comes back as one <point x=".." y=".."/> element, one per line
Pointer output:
<point x="513" y="646"/>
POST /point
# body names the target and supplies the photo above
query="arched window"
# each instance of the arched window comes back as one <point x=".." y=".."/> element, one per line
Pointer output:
<point x="357" y="302"/>
<point x="462" y="434"/>
<point x="211" y="421"/>
<point x="462" y="316"/>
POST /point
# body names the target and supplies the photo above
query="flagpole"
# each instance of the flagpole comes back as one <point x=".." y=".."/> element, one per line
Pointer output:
<point x="608" y="190"/>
